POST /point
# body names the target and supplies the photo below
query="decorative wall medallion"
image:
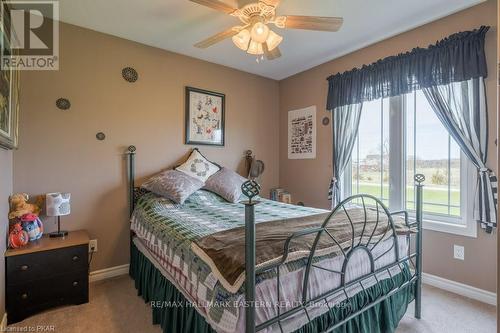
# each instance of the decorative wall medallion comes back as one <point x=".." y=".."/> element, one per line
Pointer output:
<point x="63" y="103"/>
<point x="325" y="121"/>
<point x="100" y="136"/>
<point x="130" y="74"/>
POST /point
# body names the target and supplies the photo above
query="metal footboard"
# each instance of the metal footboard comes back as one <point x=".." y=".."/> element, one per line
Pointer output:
<point x="363" y="240"/>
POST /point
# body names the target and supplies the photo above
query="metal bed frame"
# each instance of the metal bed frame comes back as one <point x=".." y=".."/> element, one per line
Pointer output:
<point x="413" y="259"/>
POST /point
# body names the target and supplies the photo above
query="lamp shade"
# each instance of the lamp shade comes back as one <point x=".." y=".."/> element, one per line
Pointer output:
<point x="255" y="48"/>
<point x="242" y="39"/>
<point x="58" y="204"/>
<point x="259" y="32"/>
<point x="273" y="40"/>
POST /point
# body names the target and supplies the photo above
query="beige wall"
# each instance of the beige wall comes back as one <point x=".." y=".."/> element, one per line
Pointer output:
<point x="59" y="152"/>
<point x="5" y="191"/>
<point x="307" y="180"/>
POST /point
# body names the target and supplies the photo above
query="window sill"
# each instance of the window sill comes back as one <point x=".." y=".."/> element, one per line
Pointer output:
<point x="467" y="230"/>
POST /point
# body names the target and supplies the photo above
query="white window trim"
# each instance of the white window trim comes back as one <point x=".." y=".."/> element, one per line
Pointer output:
<point x="465" y="225"/>
<point x="462" y="226"/>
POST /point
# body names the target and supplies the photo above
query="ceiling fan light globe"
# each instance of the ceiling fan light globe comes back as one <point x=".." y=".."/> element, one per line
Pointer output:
<point x="273" y="40"/>
<point x="255" y="48"/>
<point x="259" y="32"/>
<point x="242" y="39"/>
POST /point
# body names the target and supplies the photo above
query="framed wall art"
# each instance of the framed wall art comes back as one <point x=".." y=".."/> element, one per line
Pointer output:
<point x="205" y="112"/>
<point x="9" y="97"/>
<point x="302" y="133"/>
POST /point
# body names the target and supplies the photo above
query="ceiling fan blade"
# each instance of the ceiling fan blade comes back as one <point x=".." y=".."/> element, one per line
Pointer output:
<point x="217" y="5"/>
<point x="273" y="3"/>
<point x="313" y="23"/>
<point x="218" y="37"/>
<point x="271" y="55"/>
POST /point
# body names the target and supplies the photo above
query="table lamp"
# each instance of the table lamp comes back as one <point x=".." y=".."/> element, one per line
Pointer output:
<point x="58" y="204"/>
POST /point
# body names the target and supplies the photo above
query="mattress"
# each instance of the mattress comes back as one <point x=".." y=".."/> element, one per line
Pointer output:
<point x="164" y="232"/>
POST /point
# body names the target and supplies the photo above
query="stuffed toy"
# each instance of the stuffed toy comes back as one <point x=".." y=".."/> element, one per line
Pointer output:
<point x="33" y="226"/>
<point x="19" y="206"/>
<point x="17" y="236"/>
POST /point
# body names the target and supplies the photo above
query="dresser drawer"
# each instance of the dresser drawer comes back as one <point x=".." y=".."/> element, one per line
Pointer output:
<point x="31" y="297"/>
<point x="40" y="265"/>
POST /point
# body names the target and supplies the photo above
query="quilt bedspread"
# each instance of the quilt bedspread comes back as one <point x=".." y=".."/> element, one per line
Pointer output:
<point x="168" y="229"/>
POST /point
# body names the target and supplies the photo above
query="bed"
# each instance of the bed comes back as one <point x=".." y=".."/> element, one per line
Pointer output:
<point x="258" y="265"/>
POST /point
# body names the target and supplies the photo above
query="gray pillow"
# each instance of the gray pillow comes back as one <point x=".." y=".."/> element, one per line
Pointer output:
<point x="225" y="183"/>
<point x="174" y="185"/>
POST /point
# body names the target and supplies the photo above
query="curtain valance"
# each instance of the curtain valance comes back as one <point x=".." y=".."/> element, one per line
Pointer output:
<point x="457" y="58"/>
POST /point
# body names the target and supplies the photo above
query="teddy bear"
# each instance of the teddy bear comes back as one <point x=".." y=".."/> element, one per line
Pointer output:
<point x="19" y="206"/>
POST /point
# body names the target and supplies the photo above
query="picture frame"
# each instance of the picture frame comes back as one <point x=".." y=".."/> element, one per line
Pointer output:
<point x="302" y="133"/>
<point x="9" y="99"/>
<point x="205" y="117"/>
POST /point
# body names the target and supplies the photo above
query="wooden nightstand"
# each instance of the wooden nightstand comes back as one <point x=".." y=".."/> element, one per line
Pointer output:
<point x="47" y="273"/>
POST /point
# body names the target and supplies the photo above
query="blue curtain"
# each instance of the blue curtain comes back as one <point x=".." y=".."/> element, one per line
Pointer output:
<point x="457" y="58"/>
<point x="451" y="73"/>
<point x="461" y="108"/>
<point x="345" y="126"/>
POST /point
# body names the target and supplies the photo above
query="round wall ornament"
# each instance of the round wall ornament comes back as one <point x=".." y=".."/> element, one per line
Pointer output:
<point x="130" y="74"/>
<point x="63" y="103"/>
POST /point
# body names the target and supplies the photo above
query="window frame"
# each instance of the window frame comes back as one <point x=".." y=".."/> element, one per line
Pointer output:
<point x="465" y="225"/>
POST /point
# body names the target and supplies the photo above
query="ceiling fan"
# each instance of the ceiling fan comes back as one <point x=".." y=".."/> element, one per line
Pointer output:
<point x="254" y="35"/>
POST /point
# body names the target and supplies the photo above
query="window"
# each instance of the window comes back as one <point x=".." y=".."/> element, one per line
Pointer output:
<point x="400" y="137"/>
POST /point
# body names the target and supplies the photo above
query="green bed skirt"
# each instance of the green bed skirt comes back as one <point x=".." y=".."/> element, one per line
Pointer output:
<point x="154" y="287"/>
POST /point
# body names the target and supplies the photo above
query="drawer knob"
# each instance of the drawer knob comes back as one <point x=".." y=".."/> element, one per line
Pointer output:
<point x="75" y="283"/>
<point x="24" y="267"/>
<point x="76" y="258"/>
<point x="24" y="296"/>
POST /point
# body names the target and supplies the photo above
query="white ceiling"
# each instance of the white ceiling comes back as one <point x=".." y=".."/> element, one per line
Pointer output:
<point x="175" y="25"/>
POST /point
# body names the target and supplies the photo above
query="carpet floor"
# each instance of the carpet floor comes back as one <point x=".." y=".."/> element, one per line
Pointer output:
<point x="115" y="307"/>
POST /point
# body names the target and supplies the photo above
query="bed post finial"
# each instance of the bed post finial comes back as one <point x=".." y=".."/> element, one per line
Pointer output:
<point x="250" y="189"/>
<point x="419" y="179"/>
<point x="131" y="176"/>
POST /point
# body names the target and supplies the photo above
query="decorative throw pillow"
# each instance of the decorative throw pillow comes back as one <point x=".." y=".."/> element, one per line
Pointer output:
<point x="198" y="166"/>
<point x="174" y="185"/>
<point x="226" y="183"/>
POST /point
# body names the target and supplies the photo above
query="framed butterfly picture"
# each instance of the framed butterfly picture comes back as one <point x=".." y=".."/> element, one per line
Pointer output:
<point x="205" y="111"/>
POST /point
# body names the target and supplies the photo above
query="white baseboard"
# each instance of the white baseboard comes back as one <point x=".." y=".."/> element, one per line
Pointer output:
<point x="460" y="289"/>
<point x="3" y="325"/>
<point x="108" y="273"/>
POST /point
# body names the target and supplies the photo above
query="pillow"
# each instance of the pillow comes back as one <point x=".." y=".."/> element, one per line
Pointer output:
<point x="227" y="184"/>
<point x="198" y="166"/>
<point x="173" y="185"/>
